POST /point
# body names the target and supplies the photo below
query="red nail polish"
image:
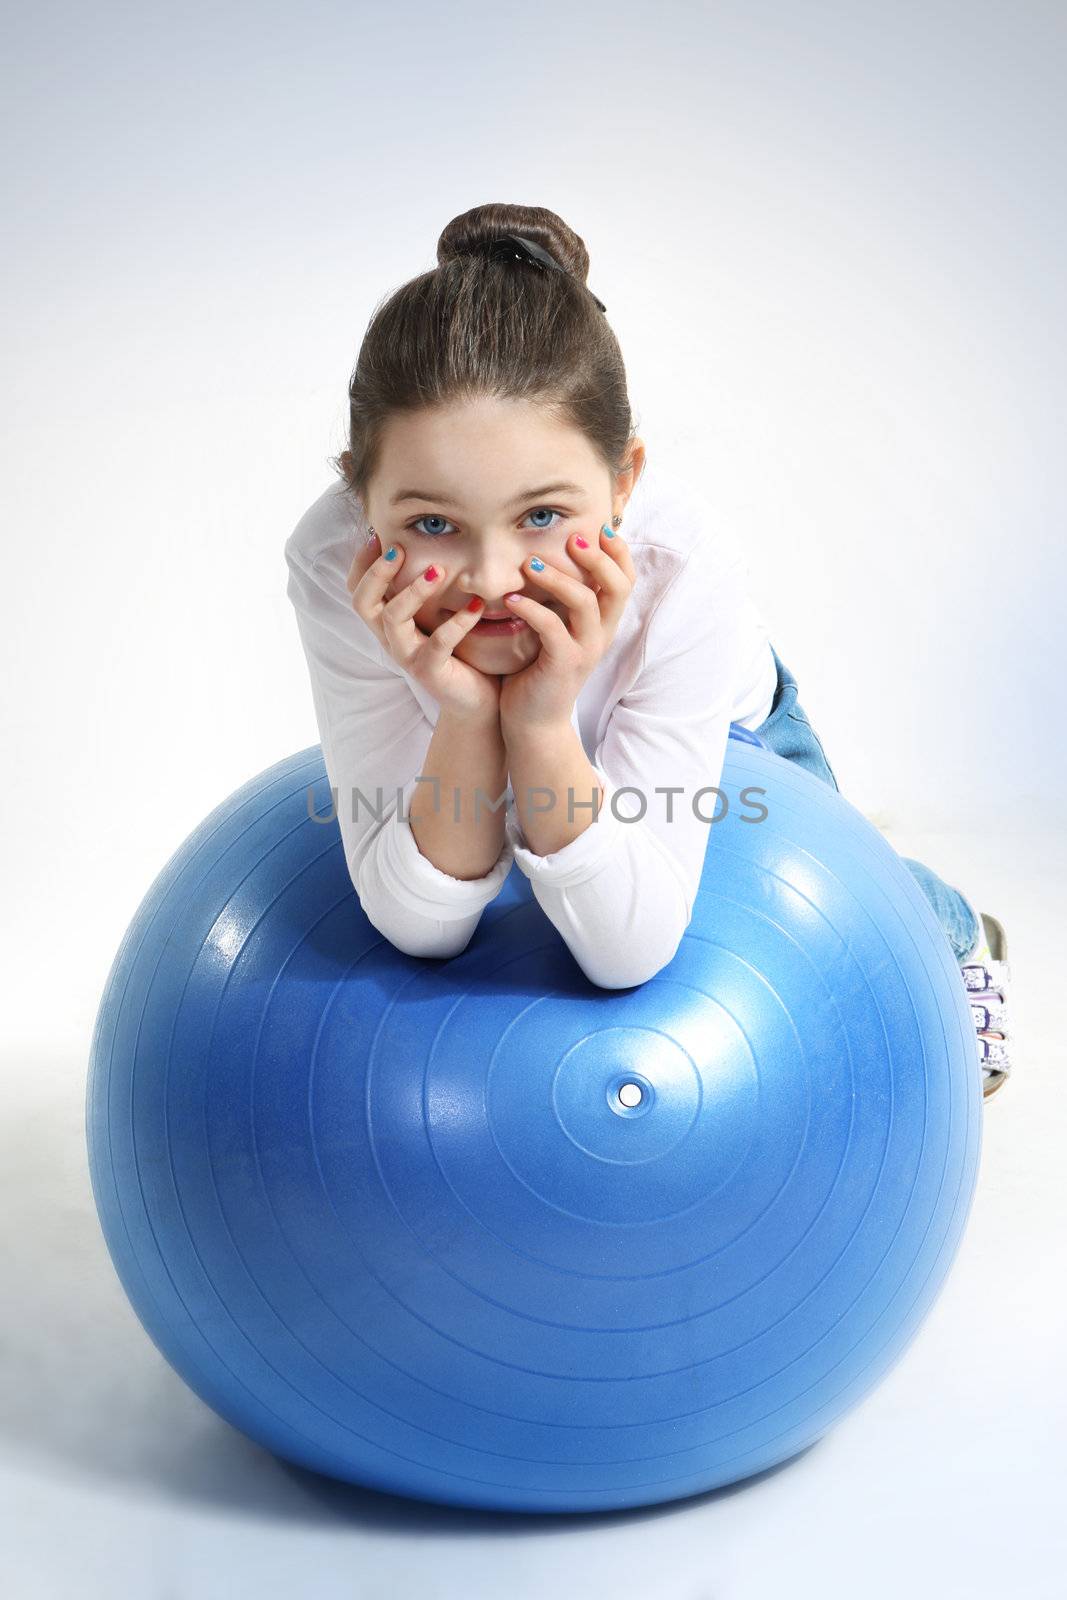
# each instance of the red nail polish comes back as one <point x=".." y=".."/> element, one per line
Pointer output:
<point x="430" y="573"/>
<point x="584" y="543"/>
<point x="475" y="604"/>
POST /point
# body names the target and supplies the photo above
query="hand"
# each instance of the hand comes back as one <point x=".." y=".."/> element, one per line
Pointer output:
<point x="458" y="688"/>
<point x="542" y="695"/>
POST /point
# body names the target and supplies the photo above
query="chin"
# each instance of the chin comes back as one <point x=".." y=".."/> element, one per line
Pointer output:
<point x="499" y="656"/>
<point x="523" y="645"/>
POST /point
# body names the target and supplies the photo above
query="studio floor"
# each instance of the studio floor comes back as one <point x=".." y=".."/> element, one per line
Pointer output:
<point x="947" y="1481"/>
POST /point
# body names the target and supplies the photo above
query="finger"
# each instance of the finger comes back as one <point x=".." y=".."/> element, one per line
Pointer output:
<point x="611" y="565"/>
<point x="549" y="624"/>
<point x="453" y="629"/>
<point x="367" y="552"/>
<point x="614" y="545"/>
<point x="363" y="566"/>
<point x="369" y="589"/>
<point x="398" y="614"/>
<point x="583" y="603"/>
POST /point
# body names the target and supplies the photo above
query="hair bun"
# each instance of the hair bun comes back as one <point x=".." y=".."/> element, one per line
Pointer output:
<point x="474" y="231"/>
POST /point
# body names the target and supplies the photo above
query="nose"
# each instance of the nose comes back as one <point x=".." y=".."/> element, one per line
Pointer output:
<point x="491" y="574"/>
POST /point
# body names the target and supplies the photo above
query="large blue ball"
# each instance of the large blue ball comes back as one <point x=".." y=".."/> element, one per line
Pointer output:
<point x="393" y="1219"/>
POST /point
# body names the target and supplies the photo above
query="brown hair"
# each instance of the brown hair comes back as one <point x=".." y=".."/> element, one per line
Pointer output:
<point x="474" y="326"/>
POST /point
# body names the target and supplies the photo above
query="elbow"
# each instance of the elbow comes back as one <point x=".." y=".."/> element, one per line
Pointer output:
<point x="426" y="939"/>
<point x="630" y="974"/>
<point x="642" y="954"/>
<point x="427" y="949"/>
<point x="411" y="931"/>
<point x="628" y="959"/>
<point x="625" y="980"/>
<point x="431" y="940"/>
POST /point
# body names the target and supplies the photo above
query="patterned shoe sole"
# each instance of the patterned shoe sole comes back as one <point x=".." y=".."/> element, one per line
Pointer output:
<point x="998" y="949"/>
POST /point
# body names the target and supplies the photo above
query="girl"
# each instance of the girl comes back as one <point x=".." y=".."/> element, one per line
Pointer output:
<point x="471" y="615"/>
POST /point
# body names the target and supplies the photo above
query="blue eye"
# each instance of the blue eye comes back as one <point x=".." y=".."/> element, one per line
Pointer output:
<point x="544" y="526"/>
<point x="429" y="517"/>
<point x="436" y="533"/>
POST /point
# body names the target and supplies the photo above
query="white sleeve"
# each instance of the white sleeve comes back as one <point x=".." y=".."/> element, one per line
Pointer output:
<point x="622" y="893"/>
<point x="375" y="737"/>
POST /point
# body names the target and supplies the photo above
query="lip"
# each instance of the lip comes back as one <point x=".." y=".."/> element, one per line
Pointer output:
<point x="494" y="616"/>
<point x="502" y="627"/>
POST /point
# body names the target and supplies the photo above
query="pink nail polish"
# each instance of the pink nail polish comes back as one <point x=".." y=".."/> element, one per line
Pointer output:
<point x="582" y="543"/>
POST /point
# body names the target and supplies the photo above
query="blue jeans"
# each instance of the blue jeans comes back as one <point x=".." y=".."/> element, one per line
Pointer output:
<point x="788" y="732"/>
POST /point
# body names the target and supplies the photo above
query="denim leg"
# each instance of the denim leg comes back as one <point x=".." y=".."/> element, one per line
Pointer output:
<point x="956" y="915"/>
<point x="789" y="733"/>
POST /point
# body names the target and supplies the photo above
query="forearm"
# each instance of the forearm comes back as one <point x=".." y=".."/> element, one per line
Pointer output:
<point x="551" y="760"/>
<point x="452" y="819"/>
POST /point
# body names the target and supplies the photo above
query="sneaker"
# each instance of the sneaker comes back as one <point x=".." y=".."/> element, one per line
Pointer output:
<point x="987" y="983"/>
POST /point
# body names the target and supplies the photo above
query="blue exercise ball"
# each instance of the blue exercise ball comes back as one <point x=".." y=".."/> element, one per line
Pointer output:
<point x="479" y="1232"/>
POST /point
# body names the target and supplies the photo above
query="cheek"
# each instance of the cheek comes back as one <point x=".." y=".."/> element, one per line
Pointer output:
<point x="412" y="570"/>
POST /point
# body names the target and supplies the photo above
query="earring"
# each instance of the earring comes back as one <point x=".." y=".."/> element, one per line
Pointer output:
<point x="615" y="521"/>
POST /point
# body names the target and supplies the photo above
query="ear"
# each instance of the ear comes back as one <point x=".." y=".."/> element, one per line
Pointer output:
<point x="626" y="480"/>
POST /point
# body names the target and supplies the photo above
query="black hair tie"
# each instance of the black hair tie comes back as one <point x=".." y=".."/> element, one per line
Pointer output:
<point x="512" y="246"/>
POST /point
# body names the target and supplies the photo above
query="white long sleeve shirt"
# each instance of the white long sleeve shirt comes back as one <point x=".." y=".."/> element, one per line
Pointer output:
<point x="691" y="654"/>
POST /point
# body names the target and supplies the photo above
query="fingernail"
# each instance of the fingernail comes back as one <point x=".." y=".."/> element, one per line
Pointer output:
<point x="537" y="564"/>
<point x="475" y="604"/>
<point x="609" y="531"/>
<point x="583" y="544"/>
<point x="390" y="554"/>
<point x="430" y="574"/>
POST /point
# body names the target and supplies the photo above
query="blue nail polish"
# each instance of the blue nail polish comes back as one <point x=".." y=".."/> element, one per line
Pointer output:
<point x="609" y="531"/>
<point x="390" y="554"/>
<point x="537" y="564"/>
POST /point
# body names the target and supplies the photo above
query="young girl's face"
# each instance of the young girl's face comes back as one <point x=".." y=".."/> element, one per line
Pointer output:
<point x="475" y="489"/>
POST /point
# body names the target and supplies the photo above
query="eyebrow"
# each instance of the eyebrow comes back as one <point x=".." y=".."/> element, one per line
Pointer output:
<point x="525" y="494"/>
